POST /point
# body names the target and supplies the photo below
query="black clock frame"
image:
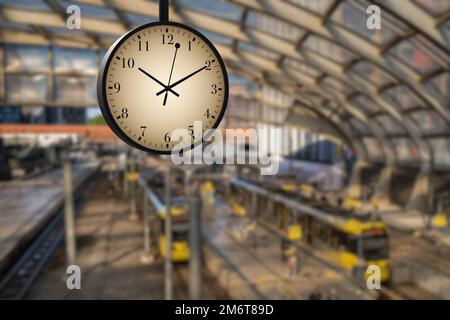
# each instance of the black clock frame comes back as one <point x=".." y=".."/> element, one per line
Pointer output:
<point x="101" y="87"/>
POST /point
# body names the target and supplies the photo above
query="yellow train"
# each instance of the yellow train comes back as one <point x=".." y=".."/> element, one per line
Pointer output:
<point x="350" y="241"/>
<point x="237" y="201"/>
<point x="354" y="245"/>
<point x="180" y="231"/>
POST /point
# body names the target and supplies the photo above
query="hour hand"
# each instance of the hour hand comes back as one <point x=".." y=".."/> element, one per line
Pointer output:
<point x="169" y="88"/>
<point x="159" y="82"/>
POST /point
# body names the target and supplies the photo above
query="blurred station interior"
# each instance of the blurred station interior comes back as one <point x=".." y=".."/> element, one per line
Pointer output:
<point x="359" y="208"/>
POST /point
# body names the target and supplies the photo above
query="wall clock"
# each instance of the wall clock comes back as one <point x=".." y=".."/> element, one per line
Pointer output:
<point x="160" y="77"/>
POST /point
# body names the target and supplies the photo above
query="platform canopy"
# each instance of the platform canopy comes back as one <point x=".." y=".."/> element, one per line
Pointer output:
<point x="385" y="92"/>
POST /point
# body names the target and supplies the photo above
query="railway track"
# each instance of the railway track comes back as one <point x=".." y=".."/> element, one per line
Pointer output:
<point x="273" y="276"/>
<point x="406" y="250"/>
<point x="210" y="289"/>
<point x="21" y="275"/>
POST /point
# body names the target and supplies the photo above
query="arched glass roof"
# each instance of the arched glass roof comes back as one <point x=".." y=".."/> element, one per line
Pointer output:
<point x="386" y="92"/>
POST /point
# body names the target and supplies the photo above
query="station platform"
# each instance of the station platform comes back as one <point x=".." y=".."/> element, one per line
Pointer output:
<point x="27" y="205"/>
<point x="109" y="248"/>
<point x="109" y="253"/>
<point x="416" y="222"/>
<point x="251" y="267"/>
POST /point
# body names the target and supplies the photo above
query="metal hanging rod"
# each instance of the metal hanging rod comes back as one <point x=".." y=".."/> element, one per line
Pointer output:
<point x="164" y="10"/>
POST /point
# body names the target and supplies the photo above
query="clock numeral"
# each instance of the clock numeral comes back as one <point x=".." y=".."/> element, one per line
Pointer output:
<point x="207" y="113"/>
<point x="167" y="137"/>
<point x="190" y="42"/>
<point x="143" y="128"/>
<point x="124" y="113"/>
<point x="117" y="87"/>
<point x="167" y="39"/>
<point x="208" y="65"/>
<point x="143" y="46"/>
<point x="128" y="63"/>
<point x="191" y="130"/>
<point x="214" y="89"/>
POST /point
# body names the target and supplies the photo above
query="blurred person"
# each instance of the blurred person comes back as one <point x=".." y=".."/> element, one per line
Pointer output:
<point x="333" y="295"/>
<point x="316" y="294"/>
<point x="292" y="265"/>
<point x="297" y="265"/>
<point x="285" y="246"/>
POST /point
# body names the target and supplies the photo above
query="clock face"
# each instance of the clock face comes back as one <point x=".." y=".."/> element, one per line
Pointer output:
<point x="158" y="78"/>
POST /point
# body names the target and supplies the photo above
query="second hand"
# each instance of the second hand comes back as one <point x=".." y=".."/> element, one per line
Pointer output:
<point x="177" y="46"/>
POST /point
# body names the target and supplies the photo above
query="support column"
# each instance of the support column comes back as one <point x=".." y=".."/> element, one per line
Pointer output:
<point x="421" y="193"/>
<point x="132" y="189"/>
<point x="195" y="240"/>
<point x="69" y="219"/>
<point x="168" y="286"/>
<point x="354" y="188"/>
<point x="381" y="199"/>
<point x="147" y="257"/>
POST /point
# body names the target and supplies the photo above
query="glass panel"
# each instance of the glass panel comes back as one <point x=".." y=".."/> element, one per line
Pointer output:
<point x="26" y="58"/>
<point x="277" y="97"/>
<point x="441" y="83"/>
<point x="401" y="98"/>
<point x="259" y="51"/>
<point x="273" y="26"/>
<point x="331" y="104"/>
<point x="412" y="54"/>
<point x="405" y="149"/>
<point x="369" y="71"/>
<point x="92" y="11"/>
<point x="328" y="49"/>
<point x="138" y="19"/>
<point x="316" y="6"/>
<point x="217" y="38"/>
<point x="373" y="148"/>
<point x="434" y="7"/>
<point x="73" y="90"/>
<point x="441" y="151"/>
<point x="26" y="88"/>
<point x="10" y="115"/>
<point x="338" y="85"/>
<point x="238" y="124"/>
<point x="430" y="122"/>
<point x="66" y="32"/>
<point x="359" y="126"/>
<point x="365" y="104"/>
<point x="302" y="67"/>
<point x="312" y="96"/>
<point x="245" y="108"/>
<point x="74" y="60"/>
<point x="14" y="25"/>
<point x="2" y="74"/>
<point x="355" y="19"/>
<point x="36" y="114"/>
<point x="74" y="115"/>
<point x="216" y="8"/>
<point x="28" y="4"/>
<point x="274" y="115"/>
<point x="389" y="124"/>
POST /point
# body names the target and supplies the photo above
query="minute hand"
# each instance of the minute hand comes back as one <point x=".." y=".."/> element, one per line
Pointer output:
<point x="180" y="81"/>
<point x="156" y="80"/>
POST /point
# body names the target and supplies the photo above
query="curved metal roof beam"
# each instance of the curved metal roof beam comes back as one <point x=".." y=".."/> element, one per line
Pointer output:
<point x="332" y="68"/>
<point x="344" y="130"/>
<point x="269" y="66"/>
<point x="220" y="23"/>
<point x="339" y="124"/>
<point x="422" y="21"/>
<point x="348" y="40"/>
